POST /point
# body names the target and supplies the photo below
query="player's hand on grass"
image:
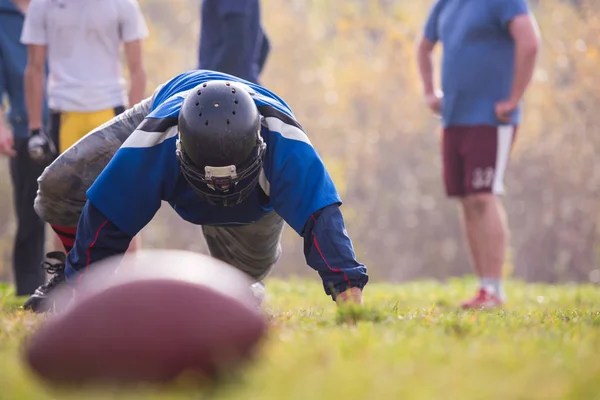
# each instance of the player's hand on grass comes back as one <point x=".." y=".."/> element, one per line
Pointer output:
<point x="434" y="102"/>
<point x="350" y="296"/>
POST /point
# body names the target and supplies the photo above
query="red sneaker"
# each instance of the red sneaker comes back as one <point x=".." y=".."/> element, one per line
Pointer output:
<point x="483" y="300"/>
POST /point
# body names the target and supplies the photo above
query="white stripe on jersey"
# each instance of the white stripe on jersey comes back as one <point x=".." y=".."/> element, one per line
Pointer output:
<point x="183" y="94"/>
<point x="286" y="130"/>
<point x="141" y="139"/>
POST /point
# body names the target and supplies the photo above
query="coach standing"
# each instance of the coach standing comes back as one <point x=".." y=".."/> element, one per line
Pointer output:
<point x="28" y="249"/>
<point x="232" y="40"/>
<point x="489" y="53"/>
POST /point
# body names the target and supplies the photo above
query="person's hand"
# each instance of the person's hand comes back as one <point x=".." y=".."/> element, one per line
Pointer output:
<point x="22" y="5"/>
<point x="434" y="102"/>
<point x="504" y="108"/>
<point x="350" y="296"/>
<point x="7" y="142"/>
<point x="41" y="148"/>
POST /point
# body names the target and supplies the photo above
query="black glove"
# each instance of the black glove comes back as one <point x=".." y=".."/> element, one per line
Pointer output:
<point x="41" y="148"/>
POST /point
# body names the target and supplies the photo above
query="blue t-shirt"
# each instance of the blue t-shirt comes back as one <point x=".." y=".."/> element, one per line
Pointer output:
<point x="8" y="6"/>
<point x="145" y="170"/>
<point x="478" y="57"/>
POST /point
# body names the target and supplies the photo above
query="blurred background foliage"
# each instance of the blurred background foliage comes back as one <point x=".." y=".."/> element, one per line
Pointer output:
<point x="348" y="70"/>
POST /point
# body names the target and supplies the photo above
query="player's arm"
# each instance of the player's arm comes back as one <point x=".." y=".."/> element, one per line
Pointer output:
<point x="328" y="250"/>
<point x="41" y="148"/>
<point x="34" y="85"/>
<point x="425" y="63"/>
<point x="34" y="36"/>
<point x="515" y="18"/>
<point x="524" y="31"/>
<point x="137" y="73"/>
<point x="22" y="5"/>
<point x="427" y="43"/>
<point x="133" y="32"/>
<point x="97" y="238"/>
<point x="304" y="195"/>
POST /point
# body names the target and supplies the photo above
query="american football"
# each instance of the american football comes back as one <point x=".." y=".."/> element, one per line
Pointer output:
<point x="158" y="315"/>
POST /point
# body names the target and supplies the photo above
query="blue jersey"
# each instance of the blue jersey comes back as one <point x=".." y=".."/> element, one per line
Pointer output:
<point x="145" y="171"/>
<point x="478" y="59"/>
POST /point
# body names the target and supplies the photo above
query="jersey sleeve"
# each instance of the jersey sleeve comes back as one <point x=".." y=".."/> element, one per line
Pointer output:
<point x="97" y="239"/>
<point x="431" y="30"/>
<point x="506" y="10"/>
<point x="132" y="22"/>
<point x="297" y="180"/>
<point x="142" y="173"/>
<point x="329" y="251"/>
<point x="34" y="27"/>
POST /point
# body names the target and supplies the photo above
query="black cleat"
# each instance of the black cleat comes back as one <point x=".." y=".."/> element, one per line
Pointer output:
<point x="55" y="266"/>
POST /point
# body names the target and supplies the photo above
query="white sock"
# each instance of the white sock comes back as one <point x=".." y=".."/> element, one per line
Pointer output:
<point x="494" y="286"/>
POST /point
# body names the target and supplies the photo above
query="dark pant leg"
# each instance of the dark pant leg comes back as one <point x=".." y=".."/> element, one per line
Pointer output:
<point x="28" y="250"/>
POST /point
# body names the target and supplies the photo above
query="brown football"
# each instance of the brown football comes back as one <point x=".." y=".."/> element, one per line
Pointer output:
<point x="149" y="318"/>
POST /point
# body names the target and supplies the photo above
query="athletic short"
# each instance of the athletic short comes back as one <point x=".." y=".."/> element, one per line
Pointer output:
<point x="475" y="158"/>
<point x="67" y="127"/>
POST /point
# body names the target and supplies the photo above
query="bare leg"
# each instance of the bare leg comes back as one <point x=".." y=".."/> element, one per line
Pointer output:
<point x="471" y="232"/>
<point x="487" y="232"/>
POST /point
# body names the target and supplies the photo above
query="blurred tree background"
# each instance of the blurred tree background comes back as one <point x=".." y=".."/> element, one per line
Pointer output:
<point x="348" y="70"/>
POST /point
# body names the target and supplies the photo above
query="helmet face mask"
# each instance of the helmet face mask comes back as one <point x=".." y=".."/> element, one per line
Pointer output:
<point x="226" y="186"/>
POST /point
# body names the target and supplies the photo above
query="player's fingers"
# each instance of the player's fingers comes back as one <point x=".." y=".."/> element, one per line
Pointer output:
<point x="501" y="115"/>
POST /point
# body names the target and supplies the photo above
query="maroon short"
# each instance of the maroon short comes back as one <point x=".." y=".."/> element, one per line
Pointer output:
<point x="475" y="158"/>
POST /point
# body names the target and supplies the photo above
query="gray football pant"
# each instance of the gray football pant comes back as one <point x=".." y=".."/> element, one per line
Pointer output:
<point x="253" y="248"/>
<point x="61" y="196"/>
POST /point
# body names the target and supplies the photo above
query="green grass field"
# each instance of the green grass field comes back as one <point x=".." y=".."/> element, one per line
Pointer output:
<point x="410" y="343"/>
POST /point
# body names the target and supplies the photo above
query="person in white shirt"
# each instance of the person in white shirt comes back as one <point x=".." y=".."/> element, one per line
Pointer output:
<point x="80" y="41"/>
